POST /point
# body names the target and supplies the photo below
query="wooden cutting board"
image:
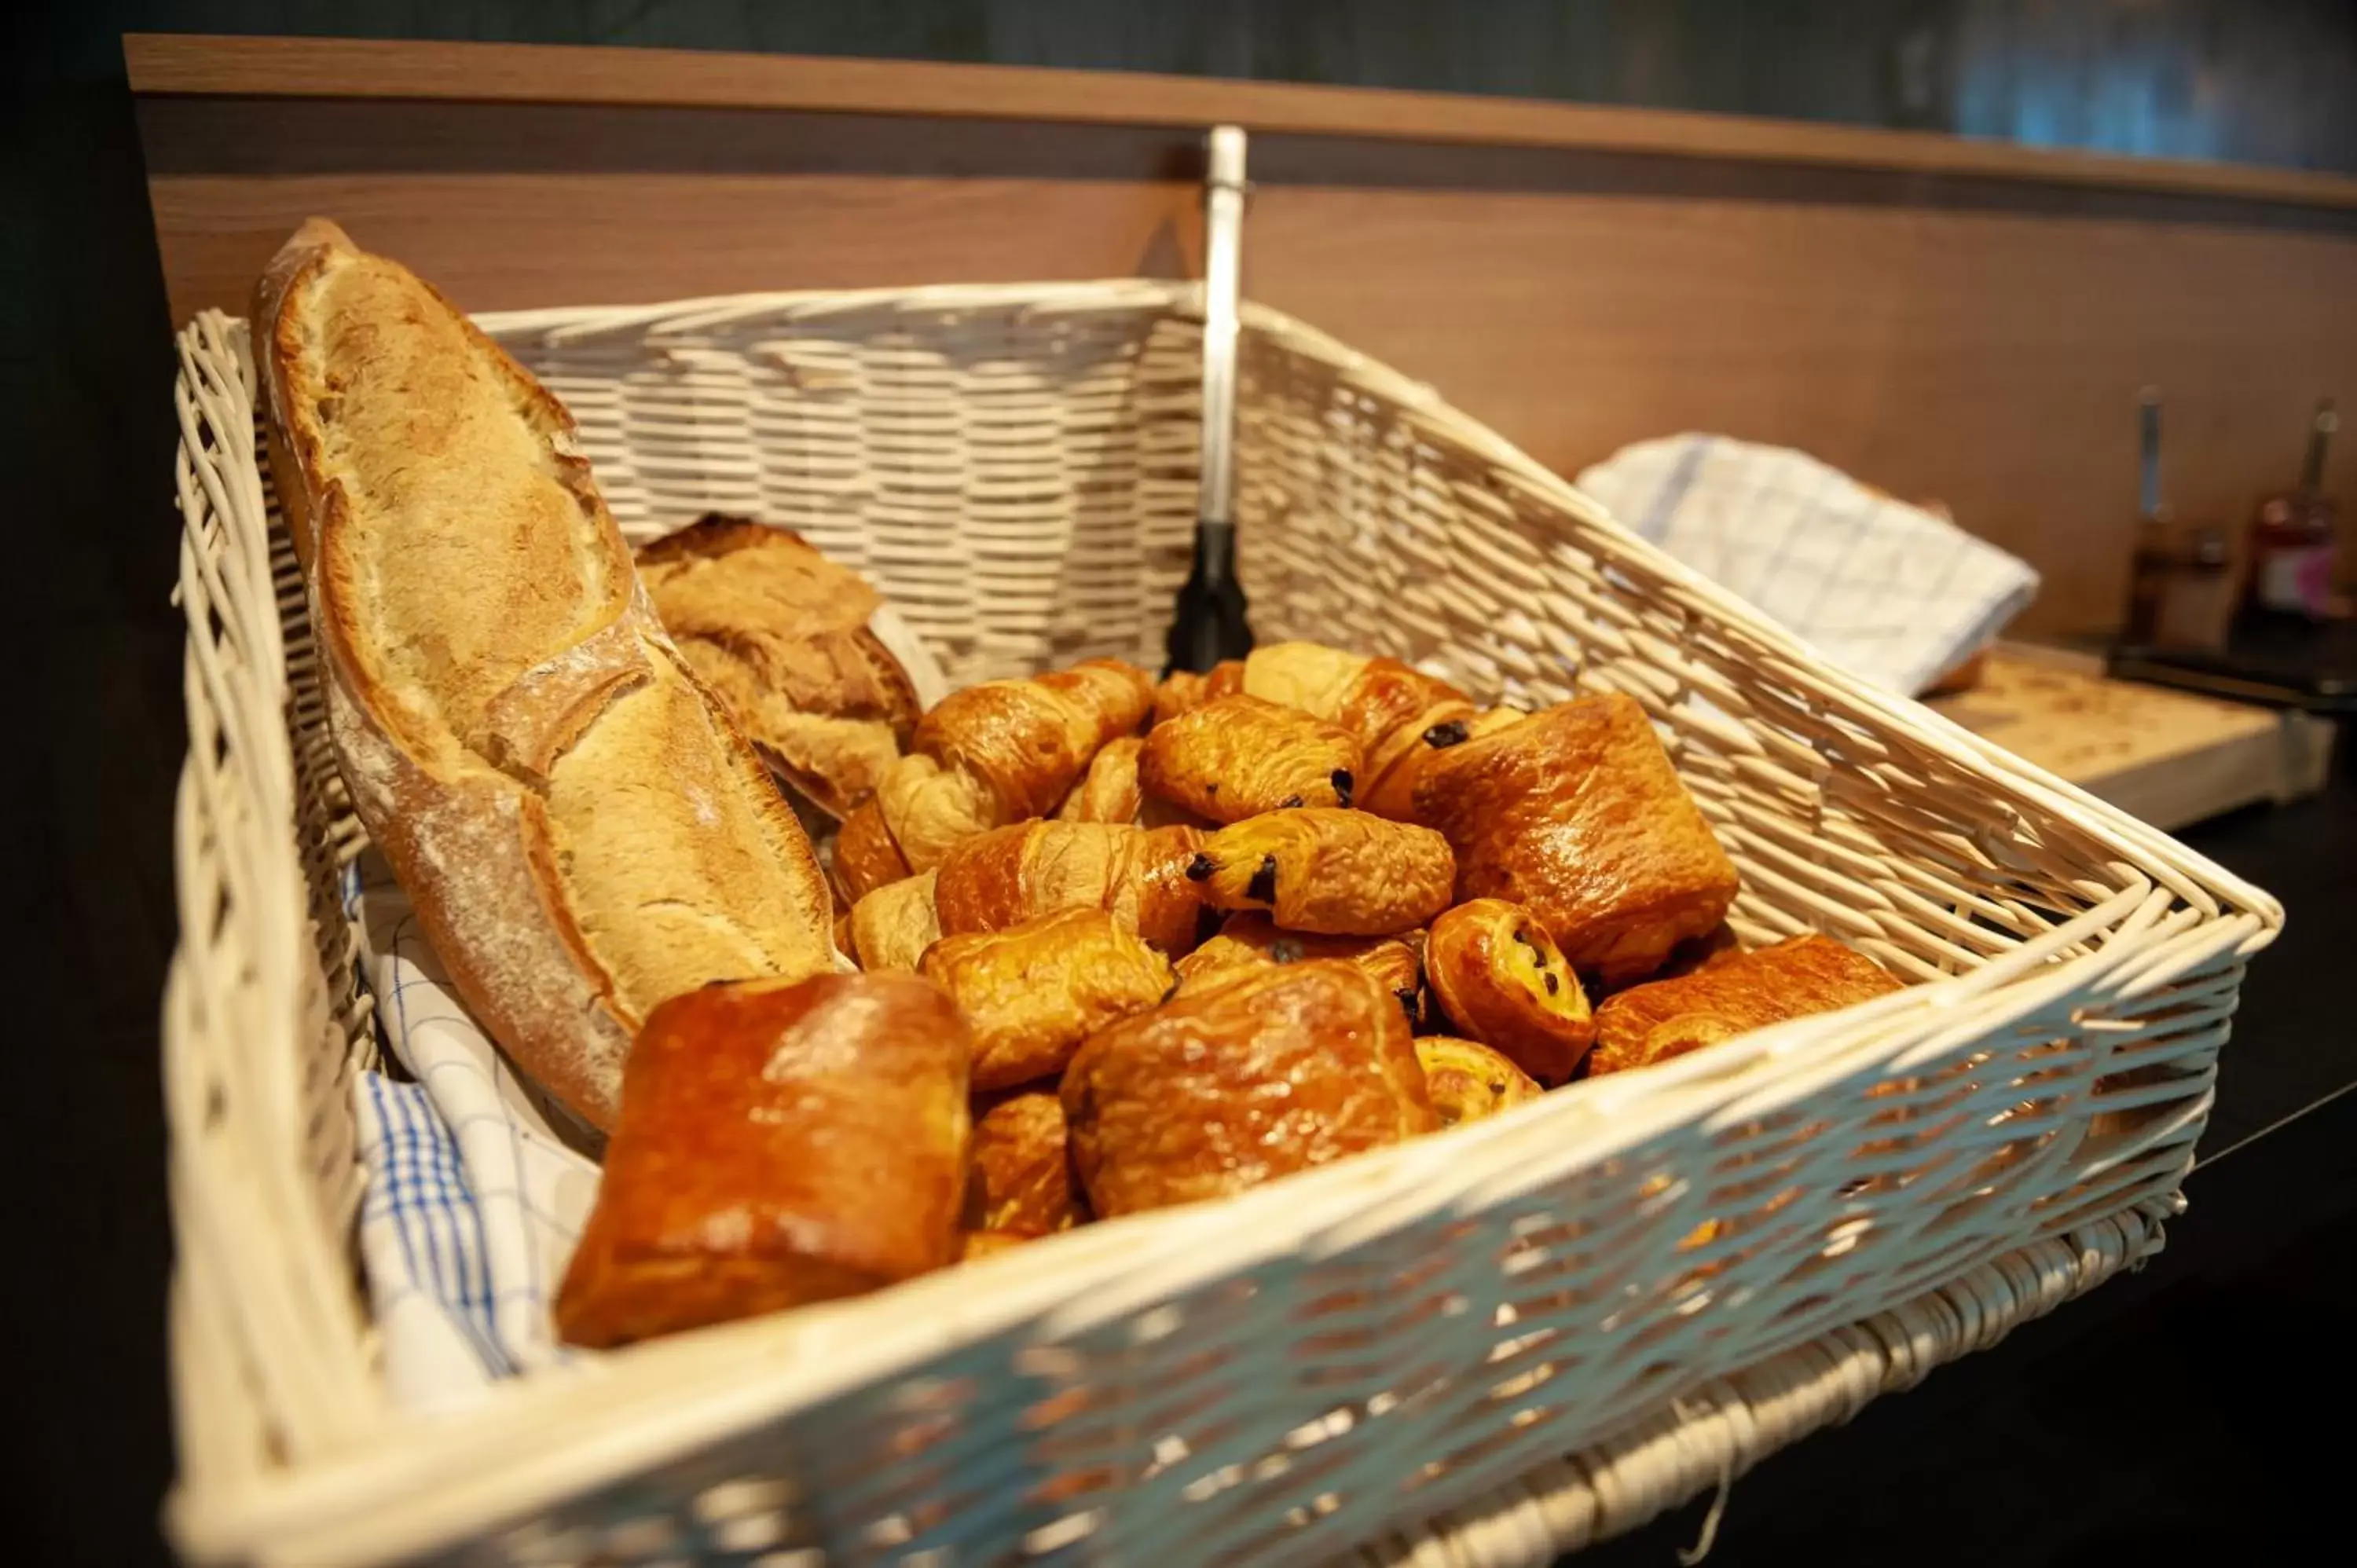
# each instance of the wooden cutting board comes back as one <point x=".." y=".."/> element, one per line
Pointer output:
<point x="2171" y="757"/>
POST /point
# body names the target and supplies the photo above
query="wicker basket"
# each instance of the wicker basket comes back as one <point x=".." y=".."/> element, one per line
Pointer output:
<point x="1489" y="1344"/>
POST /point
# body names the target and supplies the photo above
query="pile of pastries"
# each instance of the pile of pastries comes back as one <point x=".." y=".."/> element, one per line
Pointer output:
<point x="858" y="990"/>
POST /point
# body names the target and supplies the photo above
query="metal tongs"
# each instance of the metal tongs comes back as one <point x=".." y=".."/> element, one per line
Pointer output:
<point x="1209" y="623"/>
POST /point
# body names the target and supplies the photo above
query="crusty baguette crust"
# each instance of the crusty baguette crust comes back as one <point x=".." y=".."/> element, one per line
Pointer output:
<point x="581" y="833"/>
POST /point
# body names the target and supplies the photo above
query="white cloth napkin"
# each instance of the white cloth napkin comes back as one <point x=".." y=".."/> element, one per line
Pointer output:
<point x="474" y="1196"/>
<point x="1893" y="592"/>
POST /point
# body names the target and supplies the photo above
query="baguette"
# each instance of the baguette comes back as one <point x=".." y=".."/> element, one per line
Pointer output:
<point x="583" y="835"/>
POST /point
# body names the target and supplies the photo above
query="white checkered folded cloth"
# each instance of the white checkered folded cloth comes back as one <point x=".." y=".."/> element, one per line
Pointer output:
<point x="1893" y="592"/>
<point x="473" y="1195"/>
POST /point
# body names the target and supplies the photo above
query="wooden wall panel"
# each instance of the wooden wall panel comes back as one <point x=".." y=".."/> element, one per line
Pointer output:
<point x="1959" y="335"/>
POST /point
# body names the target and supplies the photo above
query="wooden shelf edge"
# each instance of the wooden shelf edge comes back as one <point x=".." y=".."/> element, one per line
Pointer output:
<point x="204" y="65"/>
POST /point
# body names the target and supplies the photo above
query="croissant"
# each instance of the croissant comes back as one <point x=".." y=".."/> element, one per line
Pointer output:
<point x="1021" y="1180"/>
<point x="1003" y="751"/>
<point x="1503" y="981"/>
<point x="1237" y="756"/>
<point x="1805" y="974"/>
<point x="1577" y="814"/>
<point x="778" y="1143"/>
<point x="866" y="857"/>
<point x="1009" y="874"/>
<point x="1246" y="942"/>
<point x="892" y="927"/>
<point x="1467" y="1081"/>
<point x="1032" y="993"/>
<point x="1108" y="792"/>
<point x="1322" y="869"/>
<point x="1292" y="1067"/>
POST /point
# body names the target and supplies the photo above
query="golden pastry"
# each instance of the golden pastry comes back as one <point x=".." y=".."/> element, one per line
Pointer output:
<point x="1503" y="981"/>
<point x="1246" y="941"/>
<point x="1234" y="758"/>
<point x="1032" y="993"/>
<point x="1577" y="814"/>
<point x="1296" y="1066"/>
<point x="1467" y="1081"/>
<point x="778" y="1143"/>
<point x="892" y="927"/>
<point x="1108" y="792"/>
<point x="1021" y="1183"/>
<point x="1004" y="751"/>
<point x="780" y="636"/>
<point x="865" y="857"/>
<point x="1323" y="869"/>
<point x="1812" y="973"/>
<point x="1014" y="873"/>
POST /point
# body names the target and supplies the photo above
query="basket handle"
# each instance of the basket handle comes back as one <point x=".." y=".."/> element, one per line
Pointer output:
<point x="1208" y="623"/>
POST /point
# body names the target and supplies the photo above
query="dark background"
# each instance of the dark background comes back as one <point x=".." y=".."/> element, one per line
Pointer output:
<point x="2191" y="1408"/>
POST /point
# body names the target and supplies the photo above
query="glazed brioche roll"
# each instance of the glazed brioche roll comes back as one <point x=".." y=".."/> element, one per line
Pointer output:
<point x="1577" y="814"/>
<point x="1032" y="993"/>
<point x="1503" y="981"/>
<point x="778" y="1143"/>
<point x="1237" y="756"/>
<point x="1733" y="994"/>
<point x="1321" y="869"/>
<point x="1288" y="1067"/>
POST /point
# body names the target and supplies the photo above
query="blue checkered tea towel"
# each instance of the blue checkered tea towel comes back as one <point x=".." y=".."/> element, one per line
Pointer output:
<point x="476" y="1184"/>
<point x="1897" y="594"/>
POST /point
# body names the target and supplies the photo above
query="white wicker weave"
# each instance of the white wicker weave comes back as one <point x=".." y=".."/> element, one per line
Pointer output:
<point x="1317" y="1365"/>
